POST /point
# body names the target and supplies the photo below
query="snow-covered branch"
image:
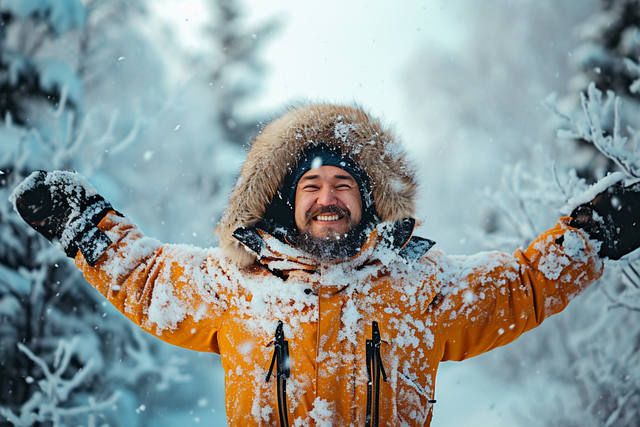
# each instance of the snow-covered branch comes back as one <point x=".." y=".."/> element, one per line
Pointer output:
<point x="629" y="297"/>
<point x="146" y="363"/>
<point x="529" y="199"/>
<point x="634" y="68"/>
<point x="52" y="402"/>
<point x="592" y="127"/>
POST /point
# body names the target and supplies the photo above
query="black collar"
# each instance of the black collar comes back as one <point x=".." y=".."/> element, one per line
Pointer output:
<point x="398" y="236"/>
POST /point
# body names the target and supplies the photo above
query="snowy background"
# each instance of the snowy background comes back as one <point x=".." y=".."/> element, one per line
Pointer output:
<point x="154" y="102"/>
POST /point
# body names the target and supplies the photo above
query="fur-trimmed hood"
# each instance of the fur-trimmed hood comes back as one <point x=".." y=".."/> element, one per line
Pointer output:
<point x="276" y="149"/>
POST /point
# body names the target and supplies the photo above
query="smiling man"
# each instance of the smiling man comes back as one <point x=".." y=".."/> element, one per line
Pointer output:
<point x="325" y="307"/>
<point x="327" y="202"/>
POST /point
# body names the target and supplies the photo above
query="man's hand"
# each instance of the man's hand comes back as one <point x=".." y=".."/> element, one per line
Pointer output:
<point x="613" y="218"/>
<point x="63" y="205"/>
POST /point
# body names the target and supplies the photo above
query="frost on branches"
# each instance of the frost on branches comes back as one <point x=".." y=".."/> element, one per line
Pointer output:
<point x="74" y="98"/>
<point x="67" y="357"/>
<point x="586" y="360"/>
<point x="48" y="404"/>
<point x="590" y="127"/>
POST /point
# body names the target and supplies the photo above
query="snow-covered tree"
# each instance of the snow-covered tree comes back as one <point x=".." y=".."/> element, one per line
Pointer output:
<point x="592" y="351"/>
<point x="236" y="74"/>
<point x="65" y="358"/>
<point x="84" y="86"/>
<point x="190" y="122"/>
<point x="608" y="41"/>
<point x="478" y="106"/>
<point x="586" y="359"/>
<point x="486" y="110"/>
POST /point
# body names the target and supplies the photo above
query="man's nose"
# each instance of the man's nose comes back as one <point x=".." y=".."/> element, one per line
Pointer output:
<point x="327" y="197"/>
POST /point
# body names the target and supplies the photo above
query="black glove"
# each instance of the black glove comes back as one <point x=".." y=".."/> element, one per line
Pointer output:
<point x="613" y="218"/>
<point x="63" y="205"/>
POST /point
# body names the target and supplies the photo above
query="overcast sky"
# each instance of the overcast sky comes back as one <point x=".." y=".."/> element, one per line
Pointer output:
<point x="338" y="50"/>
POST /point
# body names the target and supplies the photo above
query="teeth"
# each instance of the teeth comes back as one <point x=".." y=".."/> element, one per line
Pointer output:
<point x="328" y="217"/>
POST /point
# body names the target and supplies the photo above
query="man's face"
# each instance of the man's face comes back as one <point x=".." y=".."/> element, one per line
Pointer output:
<point x="327" y="202"/>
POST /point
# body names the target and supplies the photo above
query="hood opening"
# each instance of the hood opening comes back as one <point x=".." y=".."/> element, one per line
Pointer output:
<point x="275" y="152"/>
<point x="279" y="216"/>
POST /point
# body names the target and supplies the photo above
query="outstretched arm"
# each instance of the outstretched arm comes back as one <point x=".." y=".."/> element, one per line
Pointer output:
<point x="490" y="299"/>
<point x="175" y="292"/>
<point x="493" y="298"/>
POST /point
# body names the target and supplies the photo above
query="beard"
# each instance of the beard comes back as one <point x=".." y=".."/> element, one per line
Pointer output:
<point x="334" y="246"/>
<point x="326" y="248"/>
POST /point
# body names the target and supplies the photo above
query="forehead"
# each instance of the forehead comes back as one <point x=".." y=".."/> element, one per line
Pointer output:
<point x="327" y="172"/>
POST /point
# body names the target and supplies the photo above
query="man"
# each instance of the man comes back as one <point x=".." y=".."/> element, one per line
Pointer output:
<point x="324" y="307"/>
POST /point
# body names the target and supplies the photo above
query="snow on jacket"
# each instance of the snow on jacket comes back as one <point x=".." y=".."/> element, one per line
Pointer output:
<point x="392" y="312"/>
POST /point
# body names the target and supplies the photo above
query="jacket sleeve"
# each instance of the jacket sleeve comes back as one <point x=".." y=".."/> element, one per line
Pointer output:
<point x="176" y="292"/>
<point x="490" y="299"/>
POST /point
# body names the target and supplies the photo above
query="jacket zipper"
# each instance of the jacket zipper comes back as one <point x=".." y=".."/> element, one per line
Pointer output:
<point x="374" y="369"/>
<point x="281" y="353"/>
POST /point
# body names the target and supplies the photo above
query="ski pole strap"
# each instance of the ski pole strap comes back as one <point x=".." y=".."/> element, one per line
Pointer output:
<point x="281" y="360"/>
<point x="374" y="369"/>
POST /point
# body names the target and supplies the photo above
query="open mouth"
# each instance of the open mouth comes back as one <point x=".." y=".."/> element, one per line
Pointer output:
<point x="328" y="217"/>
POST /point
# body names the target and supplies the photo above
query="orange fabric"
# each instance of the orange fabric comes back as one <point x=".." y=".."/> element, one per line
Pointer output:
<point x="434" y="309"/>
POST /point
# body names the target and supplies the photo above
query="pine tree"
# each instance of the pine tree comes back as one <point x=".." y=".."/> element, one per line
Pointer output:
<point x="590" y="351"/>
<point x="66" y="358"/>
<point x="236" y="74"/>
<point x="609" y="39"/>
<point x="580" y="367"/>
<point x="82" y="88"/>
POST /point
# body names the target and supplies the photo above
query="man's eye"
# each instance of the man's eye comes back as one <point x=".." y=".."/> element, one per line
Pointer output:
<point x="310" y="187"/>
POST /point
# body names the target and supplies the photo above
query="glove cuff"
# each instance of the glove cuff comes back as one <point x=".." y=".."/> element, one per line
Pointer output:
<point x="81" y="232"/>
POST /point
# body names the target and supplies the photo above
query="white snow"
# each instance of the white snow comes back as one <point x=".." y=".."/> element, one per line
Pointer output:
<point x="321" y="415"/>
<point x="316" y="162"/>
<point x="467" y="153"/>
<point x="596" y="189"/>
<point x="553" y="261"/>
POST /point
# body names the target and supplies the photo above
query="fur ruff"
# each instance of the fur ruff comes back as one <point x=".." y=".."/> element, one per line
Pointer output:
<point x="274" y="152"/>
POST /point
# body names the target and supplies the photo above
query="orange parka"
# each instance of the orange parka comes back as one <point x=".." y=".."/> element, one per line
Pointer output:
<point x="355" y="342"/>
<point x="387" y="306"/>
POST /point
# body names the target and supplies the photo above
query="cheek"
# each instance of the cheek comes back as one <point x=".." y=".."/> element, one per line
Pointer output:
<point x="301" y="207"/>
<point x="354" y="204"/>
<point x="353" y="201"/>
<point x="298" y="213"/>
